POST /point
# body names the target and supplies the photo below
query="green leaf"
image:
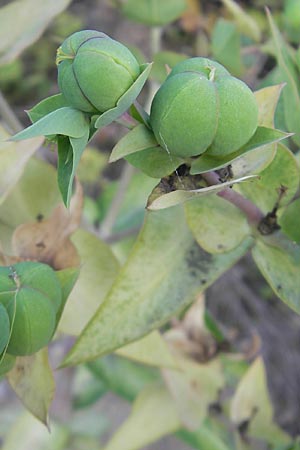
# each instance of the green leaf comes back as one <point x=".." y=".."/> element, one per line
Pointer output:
<point x="67" y="279"/>
<point x="154" y="407"/>
<point x="203" y="438"/>
<point x="5" y="329"/>
<point x="140" y="138"/>
<point x="47" y="106"/>
<point x="69" y="154"/>
<point x="126" y="100"/>
<point x="279" y="261"/>
<point x="217" y="225"/>
<point x="98" y="268"/>
<point x="283" y="171"/>
<point x="291" y="93"/>
<point x="23" y="22"/>
<point x="122" y="376"/>
<point x="66" y="121"/>
<point x="159" y="201"/>
<point x="164" y="60"/>
<point x="13" y="158"/>
<point x="245" y="22"/>
<point x="145" y="296"/>
<point x="289" y="221"/>
<point x="33" y="382"/>
<point x="154" y="162"/>
<point x="262" y="137"/>
<point x="226" y="46"/>
<point x="252" y="403"/>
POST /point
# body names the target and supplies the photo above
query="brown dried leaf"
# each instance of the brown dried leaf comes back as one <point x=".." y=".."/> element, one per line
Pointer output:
<point x="48" y="240"/>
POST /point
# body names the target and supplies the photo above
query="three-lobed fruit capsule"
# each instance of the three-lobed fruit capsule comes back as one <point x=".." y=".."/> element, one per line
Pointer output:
<point x="31" y="296"/>
<point x="202" y="108"/>
<point x="94" y="71"/>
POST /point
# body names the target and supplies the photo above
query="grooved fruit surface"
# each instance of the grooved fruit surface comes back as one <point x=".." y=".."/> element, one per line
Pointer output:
<point x="184" y="114"/>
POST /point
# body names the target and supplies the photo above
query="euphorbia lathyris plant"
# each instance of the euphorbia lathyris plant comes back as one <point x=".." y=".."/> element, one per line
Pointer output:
<point x="207" y="132"/>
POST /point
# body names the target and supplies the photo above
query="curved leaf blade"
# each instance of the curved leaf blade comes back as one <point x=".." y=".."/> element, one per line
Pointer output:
<point x="144" y="296"/>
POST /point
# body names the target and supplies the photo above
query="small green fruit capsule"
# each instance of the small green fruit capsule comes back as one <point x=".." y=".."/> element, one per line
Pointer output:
<point x="94" y="71"/>
<point x="237" y="117"/>
<point x="31" y="298"/>
<point x="4" y="328"/>
<point x="201" y="107"/>
<point x="7" y="364"/>
<point x="184" y="114"/>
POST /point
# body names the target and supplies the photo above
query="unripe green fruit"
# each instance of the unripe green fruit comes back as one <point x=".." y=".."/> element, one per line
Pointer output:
<point x="200" y="108"/>
<point x="31" y="295"/>
<point x="94" y="71"/>
<point x="4" y="328"/>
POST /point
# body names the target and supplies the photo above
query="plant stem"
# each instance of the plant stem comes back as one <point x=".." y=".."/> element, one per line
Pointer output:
<point x="9" y="116"/>
<point x="127" y="121"/>
<point x="253" y="213"/>
<point x="114" y="209"/>
<point x="155" y="46"/>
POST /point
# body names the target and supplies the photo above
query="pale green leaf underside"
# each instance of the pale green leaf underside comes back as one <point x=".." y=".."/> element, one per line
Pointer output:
<point x="282" y="171"/>
<point x="217" y="225"/>
<point x="179" y="196"/>
<point x="262" y="137"/>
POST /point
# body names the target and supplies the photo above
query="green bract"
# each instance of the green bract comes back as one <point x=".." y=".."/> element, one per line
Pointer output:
<point x="31" y="294"/>
<point x="94" y="71"/>
<point x="202" y="108"/>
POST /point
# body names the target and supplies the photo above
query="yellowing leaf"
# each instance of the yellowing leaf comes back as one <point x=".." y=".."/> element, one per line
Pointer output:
<point x="27" y="433"/>
<point x="32" y="380"/>
<point x="98" y="270"/>
<point x="13" y="159"/>
<point x="252" y="402"/>
<point x="194" y="388"/>
<point x="153" y="416"/>
<point x="151" y="349"/>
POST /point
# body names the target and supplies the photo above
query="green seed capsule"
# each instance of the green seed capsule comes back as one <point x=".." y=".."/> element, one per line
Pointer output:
<point x="31" y="294"/>
<point x="94" y="71"/>
<point x="202" y="108"/>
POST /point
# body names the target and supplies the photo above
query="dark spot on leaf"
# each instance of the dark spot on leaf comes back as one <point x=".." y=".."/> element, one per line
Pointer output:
<point x="198" y="260"/>
<point x="243" y="427"/>
<point x="39" y="217"/>
<point x="40" y="244"/>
